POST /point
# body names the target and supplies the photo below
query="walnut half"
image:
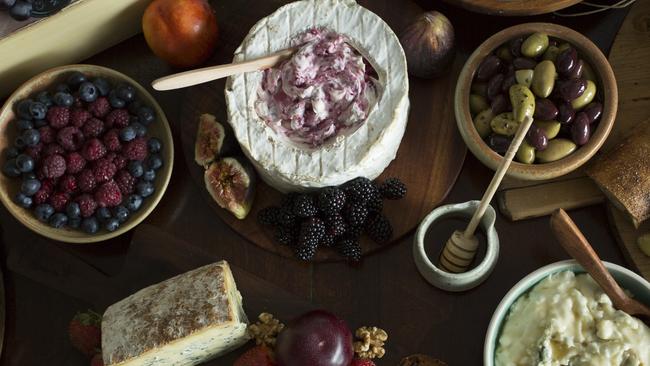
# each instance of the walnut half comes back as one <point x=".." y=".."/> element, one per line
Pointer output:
<point x="371" y="342"/>
<point x="266" y="330"/>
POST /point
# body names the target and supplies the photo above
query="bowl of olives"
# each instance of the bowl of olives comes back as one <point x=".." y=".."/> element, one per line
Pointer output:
<point x="573" y="99"/>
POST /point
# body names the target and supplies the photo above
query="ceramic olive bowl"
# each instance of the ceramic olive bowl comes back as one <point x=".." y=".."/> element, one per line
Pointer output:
<point x="628" y="280"/>
<point x="606" y="90"/>
<point x="8" y="132"/>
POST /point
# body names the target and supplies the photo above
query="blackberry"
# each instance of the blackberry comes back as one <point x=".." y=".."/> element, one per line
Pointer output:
<point x="379" y="229"/>
<point x="350" y="249"/>
<point x="328" y="241"/>
<point x="359" y="189"/>
<point x="354" y="231"/>
<point x="375" y="202"/>
<point x="311" y="232"/>
<point x="286" y="217"/>
<point x="303" y="206"/>
<point x="393" y="189"/>
<point x="286" y="235"/>
<point x="356" y="214"/>
<point x="336" y="225"/>
<point x="269" y="216"/>
<point x="305" y="253"/>
<point x="331" y="200"/>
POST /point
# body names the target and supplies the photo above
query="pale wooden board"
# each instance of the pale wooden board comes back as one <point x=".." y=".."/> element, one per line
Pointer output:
<point x="627" y="235"/>
<point x="2" y="311"/>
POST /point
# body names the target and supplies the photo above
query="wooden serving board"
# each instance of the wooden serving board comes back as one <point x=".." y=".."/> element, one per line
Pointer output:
<point x="428" y="161"/>
<point x="514" y="7"/>
<point x="627" y="235"/>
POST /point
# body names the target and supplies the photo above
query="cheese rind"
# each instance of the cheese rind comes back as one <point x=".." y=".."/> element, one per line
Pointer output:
<point x="185" y="320"/>
<point x="366" y="151"/>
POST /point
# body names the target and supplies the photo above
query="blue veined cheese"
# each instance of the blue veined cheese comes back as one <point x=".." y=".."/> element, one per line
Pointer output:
<point x="567" y="319"/>
<point x="185" y="320"/>
<point x="364" y="151"/>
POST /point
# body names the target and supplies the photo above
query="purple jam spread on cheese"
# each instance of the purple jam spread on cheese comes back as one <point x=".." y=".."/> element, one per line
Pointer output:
<point x="326" y="87"/>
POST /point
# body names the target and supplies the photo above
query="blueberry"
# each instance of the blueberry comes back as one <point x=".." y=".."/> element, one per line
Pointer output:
<point x="133" y="202"/>
<point x="73" y="210"/>
<point x="58" y="220"/>
<point x="135" y="168"/>
<point x="146" y="115"/>
<point x="22" y="109"/>
<point x="144" y="189"/>
<point x="90" y="225"/>
<point x="10" y="169"/>
<point x="29" y="187"/>
<point x="31" y="137"/>
<point x="115" y="101"/>
<point x="76" y="78"/>
<point x="74" y="223"/>
<point x="63" y="87"/>
<point x="154" y="161"/>
<point x="154" y="145"/>
<point x="112" y="224"/>
<point x="63" y="99"/>
<point x="40" y="123"/>
<point x="121" y="213"/>
<point x="23" y="200"/>
<point x="37" y="110"/>
<point x="88" y="92"/>
<point x="139" y="128"/>
<point x="11" y="152"/>
<point x="149" y="175"/>
<point x="127" y="133"/>
<point x="24" y="124"/>
<point x="44" y="97"/>
<point x="43" y="212"/>
<point x="125" y="92"/>
<point x="24" y="163"/>
<point x="103" y="214"/>
<point x="102" y="85"/>
<point x="19" y="142"/>
<point x="134" y="106"/>
<point x="6" y="4"/>
<point x="22" y="10"/>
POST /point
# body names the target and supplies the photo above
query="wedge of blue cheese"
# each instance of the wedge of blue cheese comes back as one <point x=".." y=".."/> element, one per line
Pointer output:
<point x="185" y="320"/>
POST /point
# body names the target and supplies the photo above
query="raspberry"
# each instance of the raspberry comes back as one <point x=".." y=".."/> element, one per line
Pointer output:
<point x="104" y="170"/>
<point x="75" y="163"/>
<point x="70" y="138"/>
<point x="100" y="107"/>
<point x="87" y="205"/>
<point x="136" y="149"/>
<point x="47" y="134"/>
<point x="126" y="182"/>
<point x="68" y="184"/>
<point x="58" y="117"/>
<point x="53" y="149"/>
<point x="93" y="150"/>
<point x="43" y="194"/>
<point x="35" y="151"/>
<point x="362" y="362"/>
<point x="86" y="180"/>
<point x="58" y="200"/>
<point x="120" y="162"/>
<point x="108" y="194"/>
<point x="53" y="166"/>
<point x="78" y="117"/>
<point x="118" y="118"/>
<point x="93" y="128"/>
<point x="112" y="140"/>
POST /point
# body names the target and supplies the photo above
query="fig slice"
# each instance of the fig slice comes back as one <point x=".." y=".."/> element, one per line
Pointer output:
<point x="209" y="142"/>
<point x="232" y="185"/>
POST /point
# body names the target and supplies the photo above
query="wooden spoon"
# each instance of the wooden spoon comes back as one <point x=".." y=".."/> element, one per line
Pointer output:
<point x="578" y="247"/>
<point x="199" y="76"/>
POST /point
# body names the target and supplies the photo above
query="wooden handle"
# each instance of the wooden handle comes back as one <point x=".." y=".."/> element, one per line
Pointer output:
<point x="572" y="240"/>
<point x="199" y="76"/>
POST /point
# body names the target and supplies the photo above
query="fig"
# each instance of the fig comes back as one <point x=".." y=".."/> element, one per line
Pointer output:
<point x="209" y="142"/>
<point x="429" y="45"/>
<point x="316" y="338"/>
<point x="232" y="185"/>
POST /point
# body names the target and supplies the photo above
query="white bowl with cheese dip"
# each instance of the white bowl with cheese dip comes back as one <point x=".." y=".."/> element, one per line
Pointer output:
<point x="628" y="280"/>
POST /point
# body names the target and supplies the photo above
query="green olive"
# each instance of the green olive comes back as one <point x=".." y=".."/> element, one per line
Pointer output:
<point x="587" y="72"/>
<point x="482" y="122"/>
<point x="551" y="53"/>
<point x="525" y="153"/>
<point x="543" y="79"/>
<point x="504" y="124"/>
<point x="523" y="102"/>
<point x="477" y="104"/>
<point x="479" y="89"/>
<point x="563" y="46"/>
<point x="556" y="150"/>
<point x="504" y="53"/>
<point x="586" y="97"/>
<point x="551" y="128"/>
<point x="534" y="45"/>
<point x="524" y="77"/>
<point x="644" y="244"/>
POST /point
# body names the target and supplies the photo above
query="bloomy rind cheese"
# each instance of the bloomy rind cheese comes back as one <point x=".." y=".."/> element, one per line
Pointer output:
<point x="364" y="152"/>
<point x="185" y="320"/>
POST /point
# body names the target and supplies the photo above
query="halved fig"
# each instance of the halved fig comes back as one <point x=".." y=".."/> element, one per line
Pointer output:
<point x="232" y="185"/>
<point x="209" y="142"/>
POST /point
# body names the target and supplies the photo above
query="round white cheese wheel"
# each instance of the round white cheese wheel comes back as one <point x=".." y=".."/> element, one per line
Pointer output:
<point x="366" y="151"/>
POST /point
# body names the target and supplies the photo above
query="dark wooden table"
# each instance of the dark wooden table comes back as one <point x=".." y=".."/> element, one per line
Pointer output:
<point x="46" y="285"/>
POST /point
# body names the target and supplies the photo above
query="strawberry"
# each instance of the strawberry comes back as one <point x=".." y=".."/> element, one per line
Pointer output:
<point x="256" y="356"/>
<point x="85" y="332"/>
<point x="97" y="360"/>
<point x="362" y="362"/>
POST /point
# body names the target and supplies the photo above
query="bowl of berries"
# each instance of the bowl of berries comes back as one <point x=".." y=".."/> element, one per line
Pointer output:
<point x="87" y="153"/>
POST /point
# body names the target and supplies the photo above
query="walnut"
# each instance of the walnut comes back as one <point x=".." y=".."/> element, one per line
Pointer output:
<point x="371" y="342"/>
<point x="421" y="360"/>
<point x="266" y="330"/>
